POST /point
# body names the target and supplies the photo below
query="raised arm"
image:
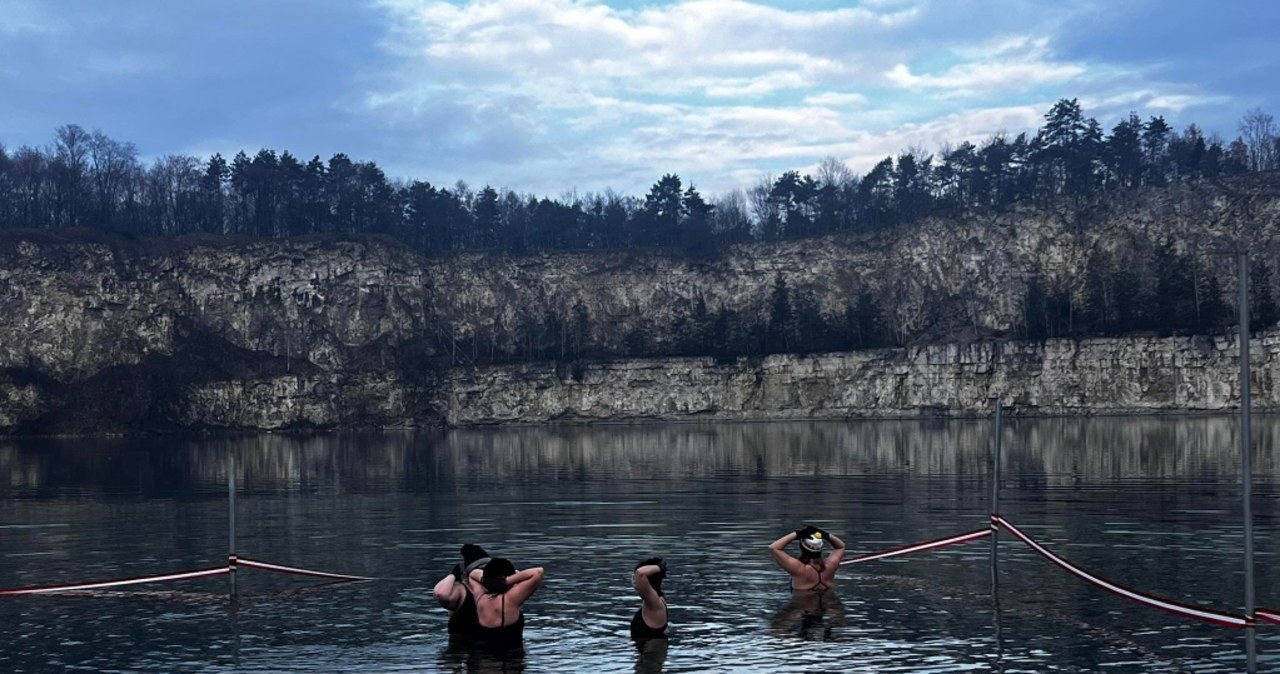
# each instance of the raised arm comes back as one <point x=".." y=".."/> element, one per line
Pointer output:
<point x="837" y="550"/>
<point x="523" y="583"/>
<point x="644" y="588"/>
<point x="778" y="549"/>
<point x="449" y="593"/>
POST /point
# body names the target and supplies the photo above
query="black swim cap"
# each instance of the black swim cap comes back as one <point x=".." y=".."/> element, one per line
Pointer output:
<point x="656" y="579"/>
<point x="495" y="575"/>
<point x="473" y="557"/>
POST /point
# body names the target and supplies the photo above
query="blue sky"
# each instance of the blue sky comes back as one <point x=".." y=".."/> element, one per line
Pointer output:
<point x="550" y="96"/>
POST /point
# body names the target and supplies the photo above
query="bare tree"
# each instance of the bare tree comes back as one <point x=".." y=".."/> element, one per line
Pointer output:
<point x="1258" y="129"/>
<point x="731" y="218"/>
<point x="69" y="167"/>
<point x="172" y="185"/>
<point x="763" y="205"/>
<point x="110" y="163"/>
<point x="834" y="173"/>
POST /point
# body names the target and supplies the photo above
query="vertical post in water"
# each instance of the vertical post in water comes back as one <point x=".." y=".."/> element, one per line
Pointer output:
<point x="231" y="519"/>
<point x="1246" y="460"/>
<point x="997" y="435"/>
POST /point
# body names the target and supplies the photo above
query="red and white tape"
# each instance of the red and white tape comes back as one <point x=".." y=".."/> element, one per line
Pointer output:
<point x="1269" y="615"/>
<point x="294" y="570"/>
<point x="232" y="562"/>
<point x="920" y="547"/>
<point x="48" y="589"/>
<point x="1208" y="615"/>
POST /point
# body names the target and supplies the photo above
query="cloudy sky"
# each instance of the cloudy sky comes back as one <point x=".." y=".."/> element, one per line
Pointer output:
<point x="548" y="96"/>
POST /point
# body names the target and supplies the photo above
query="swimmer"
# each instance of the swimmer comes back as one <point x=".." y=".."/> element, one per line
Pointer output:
<point x="499" y="592"/>
<point x="650" y="620"/>
<point x="453" y="593"/>
<point x="810" y="571"/>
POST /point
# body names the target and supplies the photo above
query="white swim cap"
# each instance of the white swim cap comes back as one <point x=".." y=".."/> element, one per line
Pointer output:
<point x="814" y="543"/>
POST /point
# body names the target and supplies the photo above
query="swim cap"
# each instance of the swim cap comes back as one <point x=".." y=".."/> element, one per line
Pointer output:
<point x="656" y="579"/>
<point x="495" y="575"/>
<point x="474" y="557"/>
<point x="813" y="542"/>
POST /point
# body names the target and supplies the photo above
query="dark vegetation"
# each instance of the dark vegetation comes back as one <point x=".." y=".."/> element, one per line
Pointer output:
<point x="89" y="181"/>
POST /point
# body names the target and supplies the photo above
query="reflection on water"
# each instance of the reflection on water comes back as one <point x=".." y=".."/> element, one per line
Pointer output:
<point x="811" y="616"/>
<point x="461" y="655"/>
<point x="1148" y="502"/>
<point x="1058" y="450"/>
<point x="651" y="655"/>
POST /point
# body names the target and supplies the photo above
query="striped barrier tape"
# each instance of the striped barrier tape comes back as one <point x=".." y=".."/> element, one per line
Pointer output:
<point x="1269" y="615"/>
<point x="296" y="571"/>
<point x="232" y="563"/>
<point x="47" y="589"/>
<point x="920" y="547"/>
<point x="1220" y="618"/>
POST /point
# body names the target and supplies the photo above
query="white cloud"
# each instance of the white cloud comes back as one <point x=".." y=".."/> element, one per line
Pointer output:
<point x="526" y="92"/>
<point x="1176" y="102"/>
<point x="1016" y="63"/>
<point x="835" y="99"/>
<point x="708" y="47"/>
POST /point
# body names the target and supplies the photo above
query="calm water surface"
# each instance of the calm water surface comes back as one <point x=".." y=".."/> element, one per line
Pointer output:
<point x="1149" y="502"/>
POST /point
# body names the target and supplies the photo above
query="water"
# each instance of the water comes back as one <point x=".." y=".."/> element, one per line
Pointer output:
<point x="1153" y="503"/>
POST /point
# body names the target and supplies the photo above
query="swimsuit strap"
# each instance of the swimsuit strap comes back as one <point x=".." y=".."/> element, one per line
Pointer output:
<point x="820" y="584"/>
<point x="503" y="622"/>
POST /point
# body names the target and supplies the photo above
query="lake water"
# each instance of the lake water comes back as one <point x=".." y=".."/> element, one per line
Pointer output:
<point x="1153" y="503"/>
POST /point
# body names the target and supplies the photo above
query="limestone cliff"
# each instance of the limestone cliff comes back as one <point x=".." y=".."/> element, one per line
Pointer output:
<point x="101" y="334"/>
<point x="1098" y="376"/>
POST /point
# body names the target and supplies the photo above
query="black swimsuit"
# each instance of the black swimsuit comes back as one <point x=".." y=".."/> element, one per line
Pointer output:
<point x="641" y="630"/>
<point x="465" y="619"/>
<point x="505" y="636"/>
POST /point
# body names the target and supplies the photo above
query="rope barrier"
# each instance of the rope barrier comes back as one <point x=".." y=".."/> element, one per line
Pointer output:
<point x="1221" y="618"/>
<point x="920" y="547"/>
<point x="232" y="563"/>
<point x="1214" y="616"/>
<point x="296" y="571"/>
<point x="48" y="589"/>
<point x="1267" y="615"/>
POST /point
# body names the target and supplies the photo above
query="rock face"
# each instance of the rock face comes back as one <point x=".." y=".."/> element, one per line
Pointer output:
<point x="101" y="334"/>
<point x="106" y="335"/>
<point x="1096" y="376"/>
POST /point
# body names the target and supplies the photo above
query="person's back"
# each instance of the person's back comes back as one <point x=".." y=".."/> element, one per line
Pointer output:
<point x="650" y="620"/>
<point x="500" y="592"/>
<point x="453" y="593"/>
<point x="810" y="571"/>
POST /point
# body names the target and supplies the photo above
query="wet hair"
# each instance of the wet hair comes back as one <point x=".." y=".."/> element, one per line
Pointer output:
<point x="656" y="579"/>
<point x="495" y="575"/>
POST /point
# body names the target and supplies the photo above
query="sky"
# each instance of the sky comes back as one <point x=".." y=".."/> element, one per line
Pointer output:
<point x="553" y="97"/>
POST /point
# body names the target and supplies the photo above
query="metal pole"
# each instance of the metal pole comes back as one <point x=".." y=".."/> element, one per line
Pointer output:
<point x="995" y="482"/>
<point x="998" y="436"/>
<point x="231" y="519"/>
<point x="1246" y="461"/>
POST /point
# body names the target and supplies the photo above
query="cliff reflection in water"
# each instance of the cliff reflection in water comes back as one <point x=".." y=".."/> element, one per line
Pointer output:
<point x="1062" y="450"/>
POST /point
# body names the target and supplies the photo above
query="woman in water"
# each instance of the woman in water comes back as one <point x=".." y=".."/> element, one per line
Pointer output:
<point x="453" y="594"/>
<point x="650" y="620"/>
<point x="499" y="592"/>
<point x="810" y="571"/>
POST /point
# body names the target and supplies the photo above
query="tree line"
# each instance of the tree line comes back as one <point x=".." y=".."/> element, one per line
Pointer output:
<point x="90" y="180"/>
